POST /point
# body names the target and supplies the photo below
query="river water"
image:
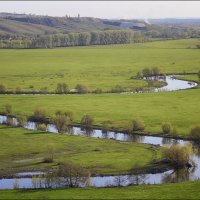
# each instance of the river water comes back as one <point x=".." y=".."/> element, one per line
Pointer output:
<point x="120" y="180"/>
<point x="173" y="84"/>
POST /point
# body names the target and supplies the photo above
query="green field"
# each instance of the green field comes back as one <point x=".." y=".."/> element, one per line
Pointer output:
<point x="97" y="66"/>
<point x="104" y="67"/>
<point x="100" y="156"/>
<point x="179" y="107"/>
<point x="185" y="190"/>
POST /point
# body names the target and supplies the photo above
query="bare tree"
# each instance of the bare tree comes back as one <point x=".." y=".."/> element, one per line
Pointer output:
<point x="87" y="121"/>
<point x="73" y="175"/>
<point x="22" y="120"/>
<point x="61" y="121"/>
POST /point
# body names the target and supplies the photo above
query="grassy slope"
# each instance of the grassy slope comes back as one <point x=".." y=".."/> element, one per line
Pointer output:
<point x="14" y="27"/>
<point x="97" y="66"/>
<point x="180" y="107"/>
<point x="38" y="24"/>
<point x="99" y="155"/>
<point x="185" y="190"/>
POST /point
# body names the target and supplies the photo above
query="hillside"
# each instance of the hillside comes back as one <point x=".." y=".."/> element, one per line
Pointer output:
<point x="33" y="24"/>
<point x="14" y="27"/>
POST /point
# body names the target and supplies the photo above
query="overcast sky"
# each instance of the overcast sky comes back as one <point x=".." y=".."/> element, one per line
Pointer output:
<point x="106" y="9"/>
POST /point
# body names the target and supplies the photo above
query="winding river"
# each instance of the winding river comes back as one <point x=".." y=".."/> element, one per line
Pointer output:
<point x="25" y="181"/>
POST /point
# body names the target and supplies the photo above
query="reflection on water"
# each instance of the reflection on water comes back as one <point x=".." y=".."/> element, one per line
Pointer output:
<point x="135" y="138"/>
<point x="179" y="175"/>
<point x="46" y="181"/>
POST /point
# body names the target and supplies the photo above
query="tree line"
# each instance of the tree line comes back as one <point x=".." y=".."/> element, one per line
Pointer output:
<point x="74" y="39"/>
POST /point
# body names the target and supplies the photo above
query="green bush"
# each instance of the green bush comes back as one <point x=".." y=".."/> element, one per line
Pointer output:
<point x="41" y="127"/>
<point x="167" y="128"/>
<point x="87" y="121"/>
<point x="137" y="124"/>
<point x="195" y="132"/>
<point x="98" y="91"/>
<point x="3" y="88"/>
<point x="139" y="75"/>
<point x="155" y="71"/>
<point x="67" y="113"/>
<point x="62" y="88"/>
<point x="70" y="115"/>
<point x="22" y="120"/>
<point x="61" y="122"/>
<point x="40" y="113"/>
<point x="147" y="72"/>
<point x="176" y="154"/>
<point x="81" y="88"/>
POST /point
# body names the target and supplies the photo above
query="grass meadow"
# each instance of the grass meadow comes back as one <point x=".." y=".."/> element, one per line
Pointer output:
<point x="25" y="150"/>
<point x="178" y="107"/>
<point x="97" y="66"/>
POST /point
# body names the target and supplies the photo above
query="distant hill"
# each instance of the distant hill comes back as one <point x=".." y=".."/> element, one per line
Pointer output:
<point x="175" y="21"/>
<point x="34" y="24"/>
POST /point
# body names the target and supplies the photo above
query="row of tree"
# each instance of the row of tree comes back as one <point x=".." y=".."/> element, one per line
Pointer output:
<point x="172" y="32"/>
<point x="74" y="39"/>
